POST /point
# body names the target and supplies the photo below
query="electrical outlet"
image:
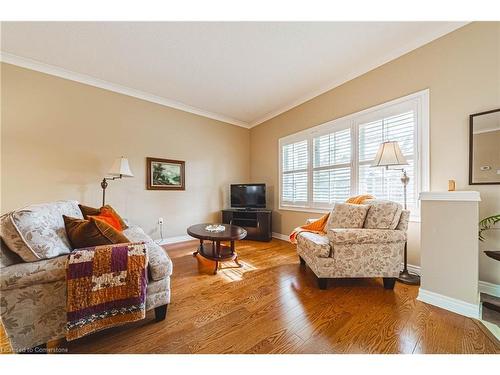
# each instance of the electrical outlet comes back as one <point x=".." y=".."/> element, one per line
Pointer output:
<point x="160" y="220"/>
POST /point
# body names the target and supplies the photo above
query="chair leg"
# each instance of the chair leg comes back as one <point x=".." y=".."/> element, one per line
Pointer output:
<point x="302" y="261"/>
<point x="389" y="282"/>
<point x="161" y="312"/>
<point x="322" y="283"/>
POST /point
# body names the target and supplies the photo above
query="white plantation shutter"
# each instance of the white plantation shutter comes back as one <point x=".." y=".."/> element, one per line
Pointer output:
<point x="331" y="168"/>
<point x="294" y="169"/>
<point x="332" y="161"/>
<point x="380" y="182"/>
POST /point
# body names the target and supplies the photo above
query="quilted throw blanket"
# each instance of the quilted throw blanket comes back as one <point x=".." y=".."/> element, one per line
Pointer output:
<point x="106" y="287"/>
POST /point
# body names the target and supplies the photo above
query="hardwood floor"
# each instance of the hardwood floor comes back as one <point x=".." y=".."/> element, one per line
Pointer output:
<point x="272" y="305"/>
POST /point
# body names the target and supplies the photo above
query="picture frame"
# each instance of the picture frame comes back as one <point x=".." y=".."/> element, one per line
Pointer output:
<point x="165" y="174"/>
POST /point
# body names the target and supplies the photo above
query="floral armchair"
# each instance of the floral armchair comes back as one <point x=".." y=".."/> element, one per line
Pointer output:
<point x="373" y="249"/>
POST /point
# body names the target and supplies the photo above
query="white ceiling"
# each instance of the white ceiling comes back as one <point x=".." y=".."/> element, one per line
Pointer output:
<point x="239" y="72"/>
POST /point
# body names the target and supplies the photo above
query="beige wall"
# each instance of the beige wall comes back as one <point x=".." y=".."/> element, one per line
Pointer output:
<point x="59" y="138"/>
<point x="462" y="71"/>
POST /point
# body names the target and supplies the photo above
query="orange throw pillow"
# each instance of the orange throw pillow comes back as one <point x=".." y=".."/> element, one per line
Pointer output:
<point x="108" y="208"/>
<point x="91" y="211"/>
<point x="109" y="218"/>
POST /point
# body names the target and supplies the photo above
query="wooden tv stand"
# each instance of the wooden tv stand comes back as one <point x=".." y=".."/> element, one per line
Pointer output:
<point x="257" y="222"/>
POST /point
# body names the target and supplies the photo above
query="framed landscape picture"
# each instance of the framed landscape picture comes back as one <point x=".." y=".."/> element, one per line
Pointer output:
<point x="165" y="174"/>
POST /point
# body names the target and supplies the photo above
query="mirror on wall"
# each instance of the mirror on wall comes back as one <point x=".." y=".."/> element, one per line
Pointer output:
<point x="484" y="144"/>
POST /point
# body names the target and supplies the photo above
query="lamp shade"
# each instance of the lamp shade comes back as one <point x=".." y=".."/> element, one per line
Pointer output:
<point x="388" y="154"/>
<point x="121" y="168"/>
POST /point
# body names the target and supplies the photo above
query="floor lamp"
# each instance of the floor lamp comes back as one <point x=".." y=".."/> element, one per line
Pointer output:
<point x="389" y="155"/>
<point x="119" y="169"/>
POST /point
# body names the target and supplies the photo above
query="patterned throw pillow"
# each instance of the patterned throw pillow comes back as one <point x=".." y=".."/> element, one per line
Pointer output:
<point x="347" y="215"/>
<point x="383" y="214"/>
<point x="37" y="231"/>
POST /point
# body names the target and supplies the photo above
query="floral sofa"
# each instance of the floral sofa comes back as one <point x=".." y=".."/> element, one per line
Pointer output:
<point x="33" y="260"/>
<point x="373" y="250"/>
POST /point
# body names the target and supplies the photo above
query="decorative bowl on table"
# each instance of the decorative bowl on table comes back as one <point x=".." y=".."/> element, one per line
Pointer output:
<point x="216" y="228"/>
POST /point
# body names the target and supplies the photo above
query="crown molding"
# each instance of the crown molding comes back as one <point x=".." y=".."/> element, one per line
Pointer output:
<point x="96" y="82"/>
<point x="362" y="69"/>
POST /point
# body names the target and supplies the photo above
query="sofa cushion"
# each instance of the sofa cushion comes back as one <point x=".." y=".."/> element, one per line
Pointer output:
<point x="7" y="256"/>
<point x="382" y="214"/>
<point x="37" y="232"/>
<point x="347" y="215"/>
<point x="91" y="211"/>
<point x="26" y="274"/>
<point x="160" y="265"/>
<point x="108" y="218"/>
<point x="360" y="236"/>
<point x="87" y="233"/>
<point x="317" y="244"/>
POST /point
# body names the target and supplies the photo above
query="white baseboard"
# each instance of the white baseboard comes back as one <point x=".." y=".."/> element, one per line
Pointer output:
<point x="176" y="239"/>
<point x="280" y="236"/>
<point x="455" y="305"/>
<point x="412" y="268"/>
<point x="489" y="288"/>
<point x="493" y="328"/>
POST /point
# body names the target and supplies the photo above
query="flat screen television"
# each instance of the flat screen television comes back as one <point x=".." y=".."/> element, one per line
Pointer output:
<point x="248" y="195"/>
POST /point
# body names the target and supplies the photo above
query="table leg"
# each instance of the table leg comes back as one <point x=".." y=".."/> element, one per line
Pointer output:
<point x="217" y="245"/>
<point x="216" y="267"/>
<point x="236" y="257"/>
<point x="200" y="248"/>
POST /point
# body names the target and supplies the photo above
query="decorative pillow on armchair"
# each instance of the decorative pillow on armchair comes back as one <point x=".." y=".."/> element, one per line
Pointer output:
<point x="347" y="215"/>
<point x="383" y="214"/>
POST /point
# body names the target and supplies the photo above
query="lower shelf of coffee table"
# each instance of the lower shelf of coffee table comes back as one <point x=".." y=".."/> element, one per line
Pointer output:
<point x="209" y="251"/>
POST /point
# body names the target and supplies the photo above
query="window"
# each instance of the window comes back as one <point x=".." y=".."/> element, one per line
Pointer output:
<point x="330" y="162"/>
<point x="381" y="182"/>
<point x="332" y="167"/>
<point x="294" y="182"/>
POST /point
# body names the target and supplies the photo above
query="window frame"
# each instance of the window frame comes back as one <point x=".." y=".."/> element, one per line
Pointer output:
<point x="419" y="101"/>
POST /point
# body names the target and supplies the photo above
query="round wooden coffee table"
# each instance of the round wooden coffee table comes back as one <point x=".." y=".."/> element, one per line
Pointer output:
<point x="214" y="250"/>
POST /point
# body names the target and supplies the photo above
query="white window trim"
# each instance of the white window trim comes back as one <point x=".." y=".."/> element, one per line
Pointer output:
<point x="352" y="121"/>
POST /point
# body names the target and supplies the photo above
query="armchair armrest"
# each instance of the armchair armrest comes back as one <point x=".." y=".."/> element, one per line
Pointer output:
<point x="339" y="236"/>
<point x="315" y="244"/>
<point x="21" y="275"/>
